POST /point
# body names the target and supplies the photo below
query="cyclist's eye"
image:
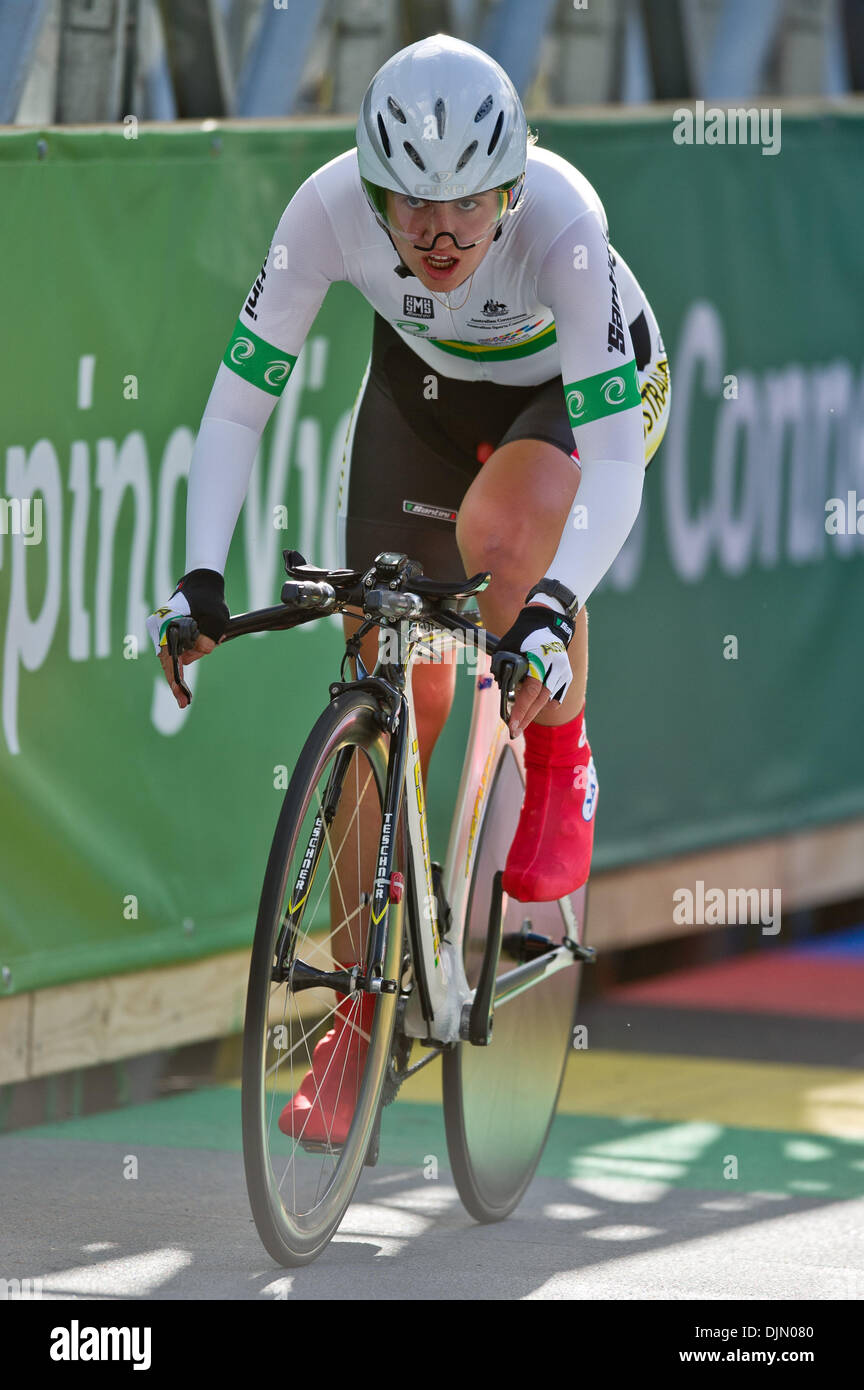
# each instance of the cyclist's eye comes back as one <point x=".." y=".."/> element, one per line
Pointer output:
<point x="415" y="203"/>
<point x="468" y="204"/>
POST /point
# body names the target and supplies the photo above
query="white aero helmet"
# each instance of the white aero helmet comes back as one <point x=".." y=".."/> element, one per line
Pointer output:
<point x="441" y="122"/>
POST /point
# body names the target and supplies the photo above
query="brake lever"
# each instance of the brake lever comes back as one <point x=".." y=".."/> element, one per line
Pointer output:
<point x="181" y="636"/>
<point x="509" y="670"/>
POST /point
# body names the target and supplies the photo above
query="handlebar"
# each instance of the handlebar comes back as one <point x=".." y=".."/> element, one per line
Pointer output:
<point x="307" y="595"/>
<point x="304" y="599"/>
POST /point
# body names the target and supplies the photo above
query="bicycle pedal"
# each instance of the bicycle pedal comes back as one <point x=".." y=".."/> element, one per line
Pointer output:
<point x="316" y="1146"/>
<point x="526" y="945"/>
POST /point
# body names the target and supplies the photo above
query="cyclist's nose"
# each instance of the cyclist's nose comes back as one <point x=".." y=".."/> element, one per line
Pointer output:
<point x="440" y="222"/>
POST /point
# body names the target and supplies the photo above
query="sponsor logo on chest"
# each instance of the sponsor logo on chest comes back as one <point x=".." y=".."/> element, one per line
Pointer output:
<point x="418" y="306"/>
<point x="495" y="316"/>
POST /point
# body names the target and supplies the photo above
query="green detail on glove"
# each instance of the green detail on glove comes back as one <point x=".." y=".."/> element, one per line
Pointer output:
<point x="257" y="361"/>
<point x="603" y="394"/>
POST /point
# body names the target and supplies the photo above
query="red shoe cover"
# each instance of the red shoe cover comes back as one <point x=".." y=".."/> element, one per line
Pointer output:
<point x="323" y="1106"/>
<point x="551" y="851"/>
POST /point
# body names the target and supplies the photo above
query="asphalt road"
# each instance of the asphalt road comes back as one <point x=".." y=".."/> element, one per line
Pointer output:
<point x="633" y="1199"/>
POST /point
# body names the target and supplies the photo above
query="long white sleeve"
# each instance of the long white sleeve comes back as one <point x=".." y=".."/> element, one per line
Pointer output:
<point x="303" y="260"/>
<point x="218" y="481"/>
<point x="601" y="389"/>
<point x="610" y="491"/>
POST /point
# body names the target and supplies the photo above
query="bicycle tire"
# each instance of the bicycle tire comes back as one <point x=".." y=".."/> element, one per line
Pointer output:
<point x="500" y="1100"/>
<point x="291" y="1236"/>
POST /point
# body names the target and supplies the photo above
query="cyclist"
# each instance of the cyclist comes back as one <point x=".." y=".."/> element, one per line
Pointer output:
<point x="506" y="332"/>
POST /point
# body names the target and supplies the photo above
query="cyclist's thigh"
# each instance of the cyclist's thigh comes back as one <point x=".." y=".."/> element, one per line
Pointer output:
<point x="526" y="488"/>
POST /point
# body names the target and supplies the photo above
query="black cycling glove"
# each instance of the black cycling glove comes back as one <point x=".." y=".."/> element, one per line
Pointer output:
<point x="199" y="594"/>
<point x="543" y="636"/>
<point x="204" y="591"/>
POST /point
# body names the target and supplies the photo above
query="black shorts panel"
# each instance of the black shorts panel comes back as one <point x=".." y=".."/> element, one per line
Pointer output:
<point x="415" y="440"/>
<point x="544" y="417"/>
<point x="391" y="465"/>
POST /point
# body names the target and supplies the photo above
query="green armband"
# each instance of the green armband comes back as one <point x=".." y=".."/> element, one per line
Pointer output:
<point x="257" y="361"/>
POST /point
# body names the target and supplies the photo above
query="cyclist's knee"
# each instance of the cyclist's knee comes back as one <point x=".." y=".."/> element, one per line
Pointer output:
<point x="506" y="563"/>
<point x="512" y="515"/>
<point x="514" y="568"/>
<point x="487" y="541"/>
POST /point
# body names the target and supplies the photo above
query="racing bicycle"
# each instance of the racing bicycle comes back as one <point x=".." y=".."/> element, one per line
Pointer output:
<point x="439" y="954"/>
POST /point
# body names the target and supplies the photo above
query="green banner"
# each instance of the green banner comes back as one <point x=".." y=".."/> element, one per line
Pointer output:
<point x="725" y="652"/>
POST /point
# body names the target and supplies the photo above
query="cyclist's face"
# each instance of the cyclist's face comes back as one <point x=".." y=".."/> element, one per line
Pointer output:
<point x="429" y="235"/>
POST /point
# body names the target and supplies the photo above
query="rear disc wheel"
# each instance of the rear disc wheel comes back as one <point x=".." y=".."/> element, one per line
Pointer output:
<point x="500" y="1100"/>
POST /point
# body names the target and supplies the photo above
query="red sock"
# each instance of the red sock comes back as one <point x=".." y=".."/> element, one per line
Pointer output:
<point x="551" y="851"/>
<point x="557" y="745"/>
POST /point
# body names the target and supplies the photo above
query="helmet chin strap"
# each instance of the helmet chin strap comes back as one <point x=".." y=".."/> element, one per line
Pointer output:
<point x="402" y="270"/>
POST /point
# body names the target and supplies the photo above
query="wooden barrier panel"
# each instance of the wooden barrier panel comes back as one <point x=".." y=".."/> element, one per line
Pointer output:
<point x="15" y="1014"/>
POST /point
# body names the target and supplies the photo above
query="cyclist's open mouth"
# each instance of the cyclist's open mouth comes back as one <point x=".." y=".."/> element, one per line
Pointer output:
<point x="439" y="267"/>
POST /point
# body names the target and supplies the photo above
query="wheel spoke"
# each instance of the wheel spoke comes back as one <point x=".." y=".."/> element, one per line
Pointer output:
<point x="346" y="917"/>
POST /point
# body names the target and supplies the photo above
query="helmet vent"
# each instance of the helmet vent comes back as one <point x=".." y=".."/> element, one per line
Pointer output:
<point x="496" y="132"/>
<point x="466" y="155"/>
<point x="396" y="110"/>
<point x="385" y="138"/>
<point x="440" y="112"/>
<point x="412" y="154"/>
<point x="484" y="108"/>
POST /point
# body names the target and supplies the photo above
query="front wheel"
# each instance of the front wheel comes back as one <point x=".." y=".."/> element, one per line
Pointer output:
<point x="314" y="912"/>
<point x="500" y="1100"/>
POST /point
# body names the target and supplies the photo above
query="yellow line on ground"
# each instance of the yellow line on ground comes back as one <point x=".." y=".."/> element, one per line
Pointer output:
<point x="749" y="1095"/>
